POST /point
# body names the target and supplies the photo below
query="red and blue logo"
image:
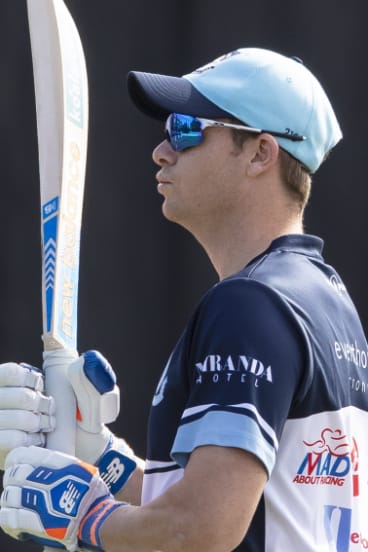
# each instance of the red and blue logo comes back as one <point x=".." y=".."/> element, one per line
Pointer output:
<point x="332" y="459"/>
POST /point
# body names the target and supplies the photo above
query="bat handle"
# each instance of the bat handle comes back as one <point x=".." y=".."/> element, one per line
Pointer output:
<point x="57" y="385"/>
<point x="55" y="365"/>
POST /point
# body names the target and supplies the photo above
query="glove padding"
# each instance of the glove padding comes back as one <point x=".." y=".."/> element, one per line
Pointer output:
<point x="94" y="384"/>
<point x="46" y="496"/>
<point x="26" y="414"/>
<point x="98" y="400"/>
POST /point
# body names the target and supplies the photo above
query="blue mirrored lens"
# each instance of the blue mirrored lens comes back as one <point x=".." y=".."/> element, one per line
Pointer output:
<point x="184" y="131"/>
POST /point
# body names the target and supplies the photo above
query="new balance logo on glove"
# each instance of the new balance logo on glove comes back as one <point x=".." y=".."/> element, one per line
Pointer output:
<point x="115" y="469"/>
<point x="51" y="498"/>
<point x="69" y="498"/>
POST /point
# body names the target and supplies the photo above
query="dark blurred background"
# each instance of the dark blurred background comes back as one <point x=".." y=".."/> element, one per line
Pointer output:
<point x="141" y="276"/>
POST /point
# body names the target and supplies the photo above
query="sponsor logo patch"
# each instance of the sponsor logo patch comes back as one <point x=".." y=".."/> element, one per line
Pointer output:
<point x="224" y="368"/>
<point x="332" y="459"/>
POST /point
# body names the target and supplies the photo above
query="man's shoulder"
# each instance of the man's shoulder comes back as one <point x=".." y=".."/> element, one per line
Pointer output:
<point x="240" y="294"/>
<point x="292" y="268"/>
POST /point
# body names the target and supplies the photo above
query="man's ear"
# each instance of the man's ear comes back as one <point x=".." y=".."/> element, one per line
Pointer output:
<point x="265" y="155"/>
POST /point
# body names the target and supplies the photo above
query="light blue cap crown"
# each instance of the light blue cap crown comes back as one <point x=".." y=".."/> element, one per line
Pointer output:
<point x="267" y="90"/>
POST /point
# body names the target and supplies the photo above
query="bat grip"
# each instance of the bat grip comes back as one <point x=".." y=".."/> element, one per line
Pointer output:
<point x="55" y="365"/>
<point x="57" y="385"/>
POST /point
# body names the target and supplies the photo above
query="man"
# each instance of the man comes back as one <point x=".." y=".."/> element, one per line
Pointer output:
<point x="257" y="429"/>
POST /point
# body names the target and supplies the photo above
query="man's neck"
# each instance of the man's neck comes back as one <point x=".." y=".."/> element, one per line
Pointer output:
<point x="233" y="248"/>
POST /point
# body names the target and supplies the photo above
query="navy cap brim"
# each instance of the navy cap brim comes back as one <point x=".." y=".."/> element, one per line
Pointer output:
<point x="159" y="95"/>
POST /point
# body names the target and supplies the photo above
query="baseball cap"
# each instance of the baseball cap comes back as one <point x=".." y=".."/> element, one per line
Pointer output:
<point x="261" y="88"/>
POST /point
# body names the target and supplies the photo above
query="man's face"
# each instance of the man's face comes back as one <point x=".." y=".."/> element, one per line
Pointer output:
<point x="201" y="185"/>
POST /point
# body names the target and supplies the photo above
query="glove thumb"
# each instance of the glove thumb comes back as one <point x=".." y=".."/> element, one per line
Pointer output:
<point x="94" y="384"/>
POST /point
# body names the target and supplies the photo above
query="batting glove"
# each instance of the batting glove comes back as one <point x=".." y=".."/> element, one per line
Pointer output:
<point x="98" y="398"/>
<point x="26" y="414"/>
<point x="54" y="499"/>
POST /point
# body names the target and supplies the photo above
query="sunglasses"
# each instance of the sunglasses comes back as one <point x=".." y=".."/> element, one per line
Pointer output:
<point x="186" y="131"/>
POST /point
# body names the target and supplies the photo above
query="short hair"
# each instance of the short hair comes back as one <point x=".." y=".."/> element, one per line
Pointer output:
<point x="295" y="176"/>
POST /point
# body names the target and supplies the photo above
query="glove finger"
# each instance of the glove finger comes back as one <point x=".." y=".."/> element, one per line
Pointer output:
<point x="11" y="439"/>
<point x="22" y="398"/>
<point x="20" y="375"/>
<point x="36" y="456"/>
<point x="26" y="421"/>
<point x="14" y="478"/>
<point x="11" y="497"/>
<point x="15" y="521"/>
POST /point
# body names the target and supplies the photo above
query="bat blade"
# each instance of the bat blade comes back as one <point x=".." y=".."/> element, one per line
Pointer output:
<point x="61" y="93"/>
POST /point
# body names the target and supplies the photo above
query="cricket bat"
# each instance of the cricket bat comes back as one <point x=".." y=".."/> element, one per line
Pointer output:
<point x="61" y="94"/>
